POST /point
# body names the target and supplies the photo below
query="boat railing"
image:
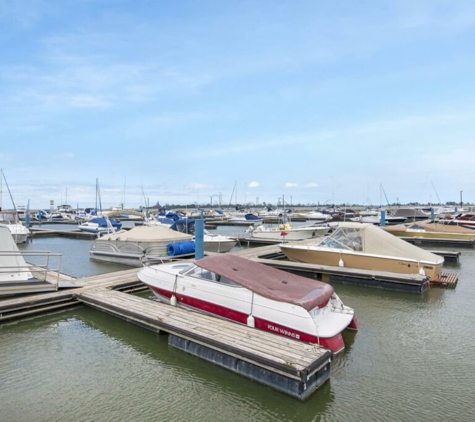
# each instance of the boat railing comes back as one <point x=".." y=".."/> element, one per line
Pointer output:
<point x="44" y="266"/>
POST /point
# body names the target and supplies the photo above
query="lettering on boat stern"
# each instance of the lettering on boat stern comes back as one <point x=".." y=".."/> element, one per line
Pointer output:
<point x="283" y="331"/>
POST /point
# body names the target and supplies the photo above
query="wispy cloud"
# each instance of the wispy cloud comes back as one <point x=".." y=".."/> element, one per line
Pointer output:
<point x="311" y="185"/>
<point x="291" y="185"/>
<point x="253" y="185"/>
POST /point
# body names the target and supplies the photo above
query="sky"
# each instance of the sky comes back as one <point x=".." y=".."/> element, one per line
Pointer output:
<point x="225" y="102"/>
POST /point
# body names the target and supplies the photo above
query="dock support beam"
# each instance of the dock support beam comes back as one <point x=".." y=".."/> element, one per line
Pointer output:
<point x="383" y="218"/>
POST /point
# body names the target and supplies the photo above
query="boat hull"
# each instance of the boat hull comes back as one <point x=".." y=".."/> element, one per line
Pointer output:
<point x="335" y="343"/>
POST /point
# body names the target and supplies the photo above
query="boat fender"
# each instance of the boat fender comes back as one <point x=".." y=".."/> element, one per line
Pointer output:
<point x="421" y="270"/>
<point x="173" y="300"/>
<point x="341" y="263"/>
<point x="251" y="321"/>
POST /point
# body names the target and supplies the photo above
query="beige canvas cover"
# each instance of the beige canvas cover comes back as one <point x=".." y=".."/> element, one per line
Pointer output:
<point x="147" y="234"/>
<point x="370" y="239"/>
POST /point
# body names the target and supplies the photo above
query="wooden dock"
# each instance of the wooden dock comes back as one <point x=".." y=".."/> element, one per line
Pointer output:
<point x="287" y="365"/>
<point x="30" y="304"/>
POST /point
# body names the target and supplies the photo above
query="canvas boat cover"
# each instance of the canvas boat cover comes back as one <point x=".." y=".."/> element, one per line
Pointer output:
<point x="370" y="239"/>
<point x="147" y="234"/>
<point x="269" y="282"/>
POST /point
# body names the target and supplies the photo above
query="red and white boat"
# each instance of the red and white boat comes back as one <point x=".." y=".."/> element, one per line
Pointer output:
<point x="255" y="294"/>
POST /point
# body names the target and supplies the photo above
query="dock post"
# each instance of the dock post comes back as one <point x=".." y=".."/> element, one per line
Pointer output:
<point x="432" y="215"/>
<point x="383" y="218"/>
<point x="199" y="247"/>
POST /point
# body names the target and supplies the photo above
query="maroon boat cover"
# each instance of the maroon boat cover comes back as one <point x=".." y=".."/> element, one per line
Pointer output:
<point x="267" y="281"/>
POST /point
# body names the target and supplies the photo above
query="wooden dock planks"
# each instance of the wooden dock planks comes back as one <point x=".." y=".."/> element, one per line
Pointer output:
<point x="290" y="356"/>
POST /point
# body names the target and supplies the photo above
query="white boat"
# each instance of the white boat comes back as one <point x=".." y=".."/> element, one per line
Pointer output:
<point x="247" y="292"/>
<point x="100" y="225"/>
<point x="366" y="246"/>
<point x="142" y="243"/>
<point x="245" y="219"/>
<point x="19" y="277"/>
<point x="287" y="232"/>
<point x="13" y="267"/>
<point x="18" y="230"/>
<point x="314" y="216"/>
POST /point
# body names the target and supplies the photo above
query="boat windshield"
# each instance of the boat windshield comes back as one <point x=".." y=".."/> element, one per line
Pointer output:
<point x="204" y="274"/>
<point x="345" y="238"/>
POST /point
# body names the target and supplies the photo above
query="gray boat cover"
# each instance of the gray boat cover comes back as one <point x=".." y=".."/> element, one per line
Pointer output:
<point x="269" y="282"/>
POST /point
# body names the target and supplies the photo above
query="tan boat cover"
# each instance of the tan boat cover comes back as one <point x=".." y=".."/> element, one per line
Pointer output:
<point x="269" y="282"/>
<point x="370" y="239"/>
<point x="147" y="234"/>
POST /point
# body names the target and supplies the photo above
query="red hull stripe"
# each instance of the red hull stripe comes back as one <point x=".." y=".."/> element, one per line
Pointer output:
<point x="335" y="344"/>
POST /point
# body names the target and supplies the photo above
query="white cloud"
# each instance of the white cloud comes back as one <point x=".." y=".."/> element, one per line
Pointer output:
<point x="291" y="185"/>
<point x="311" y="185"/>
<point x="253" y="185"/>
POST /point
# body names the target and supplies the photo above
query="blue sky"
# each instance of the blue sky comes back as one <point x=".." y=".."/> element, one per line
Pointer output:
<point x="183" y="101"/>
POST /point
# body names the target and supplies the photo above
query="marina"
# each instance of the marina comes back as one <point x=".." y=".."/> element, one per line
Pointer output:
<point x="12" y="309"/>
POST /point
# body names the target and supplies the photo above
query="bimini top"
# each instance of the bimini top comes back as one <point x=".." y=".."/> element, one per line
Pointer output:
<point x="269" y="282"/>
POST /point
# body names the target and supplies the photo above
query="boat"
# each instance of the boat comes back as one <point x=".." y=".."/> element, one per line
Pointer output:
<point x="212" y="242"/>
<point x="18" y="230"/>
<point x="247" y="292"/>
<point x="366" y="246"/>
<point x="314" y="215"/>
<point x="100" y="225"/>
<point x="245" y="219"/>
<point x="462" y="219"/>
<point x="142" y="244"/>
<point x="285" y="231"/>
<point x="431" y="230"/>
<point x="19" y="277"/>
<point x="411" y="213"/>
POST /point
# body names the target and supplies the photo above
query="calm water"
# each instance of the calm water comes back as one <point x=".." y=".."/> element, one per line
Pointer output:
<point x="411" y="360"/>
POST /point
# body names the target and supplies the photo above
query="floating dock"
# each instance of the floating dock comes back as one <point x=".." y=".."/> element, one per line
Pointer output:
<point x="287" y="365"/>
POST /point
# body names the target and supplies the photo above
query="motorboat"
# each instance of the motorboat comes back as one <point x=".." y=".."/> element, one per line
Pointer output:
<point x="314" y="215"/>
<point x="142" y="244"/>
<point x="285" y="231"/>
<point x="245" y="219"/>
<point x="366" y="246"/>
<point x="431" y="230"/>
<point x="18" y="230"/>
<point x="462" y="219"/>
<point x="100" y="225"/>
<point x="19" y="277"/>
<point x="411" y="213"/>
<point x="247" y="292"/>
<point x="212" y="242"/>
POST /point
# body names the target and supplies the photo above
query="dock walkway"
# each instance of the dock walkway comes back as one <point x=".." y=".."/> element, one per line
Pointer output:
<point x="290" y="366"/>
